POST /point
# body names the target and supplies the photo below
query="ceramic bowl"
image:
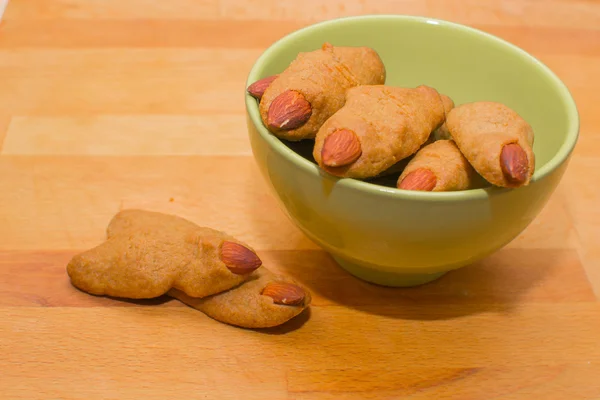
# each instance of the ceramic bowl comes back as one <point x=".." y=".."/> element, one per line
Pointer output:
<point x="395" y="237"/>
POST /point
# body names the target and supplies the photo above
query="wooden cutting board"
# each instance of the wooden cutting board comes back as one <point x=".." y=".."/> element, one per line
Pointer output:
<point x="108" y="104"/>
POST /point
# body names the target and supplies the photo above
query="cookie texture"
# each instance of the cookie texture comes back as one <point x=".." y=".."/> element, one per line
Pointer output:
<point x="444" y="160"/>
<point x="246" y="306"/>
<point x="482" y="130"/>
<point x="147" y="253"/>
<point x="390" y="124"/>
<point x="442" y="132"/>
<point x="322" y="77"/>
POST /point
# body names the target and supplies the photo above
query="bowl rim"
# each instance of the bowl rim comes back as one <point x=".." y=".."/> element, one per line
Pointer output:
<point x="561" y="156"/>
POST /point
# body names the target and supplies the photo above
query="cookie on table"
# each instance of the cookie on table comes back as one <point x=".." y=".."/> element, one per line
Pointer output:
<point x="264" y="301"/>
<point x="148" y="253"/>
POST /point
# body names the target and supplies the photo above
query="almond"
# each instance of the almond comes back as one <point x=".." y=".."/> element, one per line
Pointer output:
<point x="340" y="148"/>
<point x="257" y="89"/>
<point x="419" y="179"/>
<point x="514" y="164"/>
<point x="239" y="259"/>
<point x="290" y="110"/>
<point x="284" y="293"/>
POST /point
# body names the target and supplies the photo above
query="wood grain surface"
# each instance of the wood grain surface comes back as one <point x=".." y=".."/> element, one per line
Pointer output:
<point x="111" y="104"/>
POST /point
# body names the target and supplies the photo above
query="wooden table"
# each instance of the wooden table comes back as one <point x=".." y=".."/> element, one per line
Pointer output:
<point x="111" y="104"/>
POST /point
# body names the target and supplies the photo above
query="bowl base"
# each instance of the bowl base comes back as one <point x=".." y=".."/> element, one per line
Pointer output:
<point x="386" y="278"/>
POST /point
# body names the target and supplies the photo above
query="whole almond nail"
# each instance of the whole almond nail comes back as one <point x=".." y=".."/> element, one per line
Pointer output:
<point x="340" y="148"/>
<point x="284" y="293"/>
<point x="257" y="89"/>
<point x="290" y="110"/>
<point x="420" y="179"/>
<point x="514" y="163"/>
<point x="239" y="259"/>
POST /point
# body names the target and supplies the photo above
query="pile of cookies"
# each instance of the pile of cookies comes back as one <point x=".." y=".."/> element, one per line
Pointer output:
<point x="364" y="129"/>
<point x="150" y="254"/>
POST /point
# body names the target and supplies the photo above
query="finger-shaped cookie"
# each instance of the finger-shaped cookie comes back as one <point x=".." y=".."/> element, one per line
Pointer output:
<point x="377" y="127"/>
<point x="438" y="134"/>
<point x="131" y="221"/>
<point x="298" y="101"/>
<point x="438" y="167"/>
<point x="237" y="256"/>
<point x="496" y="140"/>
<point x="148" y="253"/>
<point x="442" y="133"/>
<point x="264" y="301"/>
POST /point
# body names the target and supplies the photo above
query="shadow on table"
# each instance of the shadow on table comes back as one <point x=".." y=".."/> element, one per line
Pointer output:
<point x="289" y="326"/>
<point x="144" y="302"/>
<point x="284" y="328"/>
<point x="497" y="284"/>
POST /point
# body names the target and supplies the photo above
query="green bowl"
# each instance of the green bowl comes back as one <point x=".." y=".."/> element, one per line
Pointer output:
<point x="394" y="237"/>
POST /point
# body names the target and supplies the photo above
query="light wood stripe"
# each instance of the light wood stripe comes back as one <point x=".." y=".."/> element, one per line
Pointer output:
<point x="584" y="88"/>
<point x="224" y="34"/>
<point x="67" y="33"/>
<point x="125" y="81"/>
<point x="588" y="137"/>
<point x="3" y="5"/>
<point x="223" y="134"/>
<point x="579" y="81"/>
<point x="583" y="210"/>
<point x="559" y="234"/>
<point x="114" y="9"/>
<point x="168" y="81"/>
<point x="81" y="194"/>
<point x="4" y="125"/>
<point x="561" y="13"/>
